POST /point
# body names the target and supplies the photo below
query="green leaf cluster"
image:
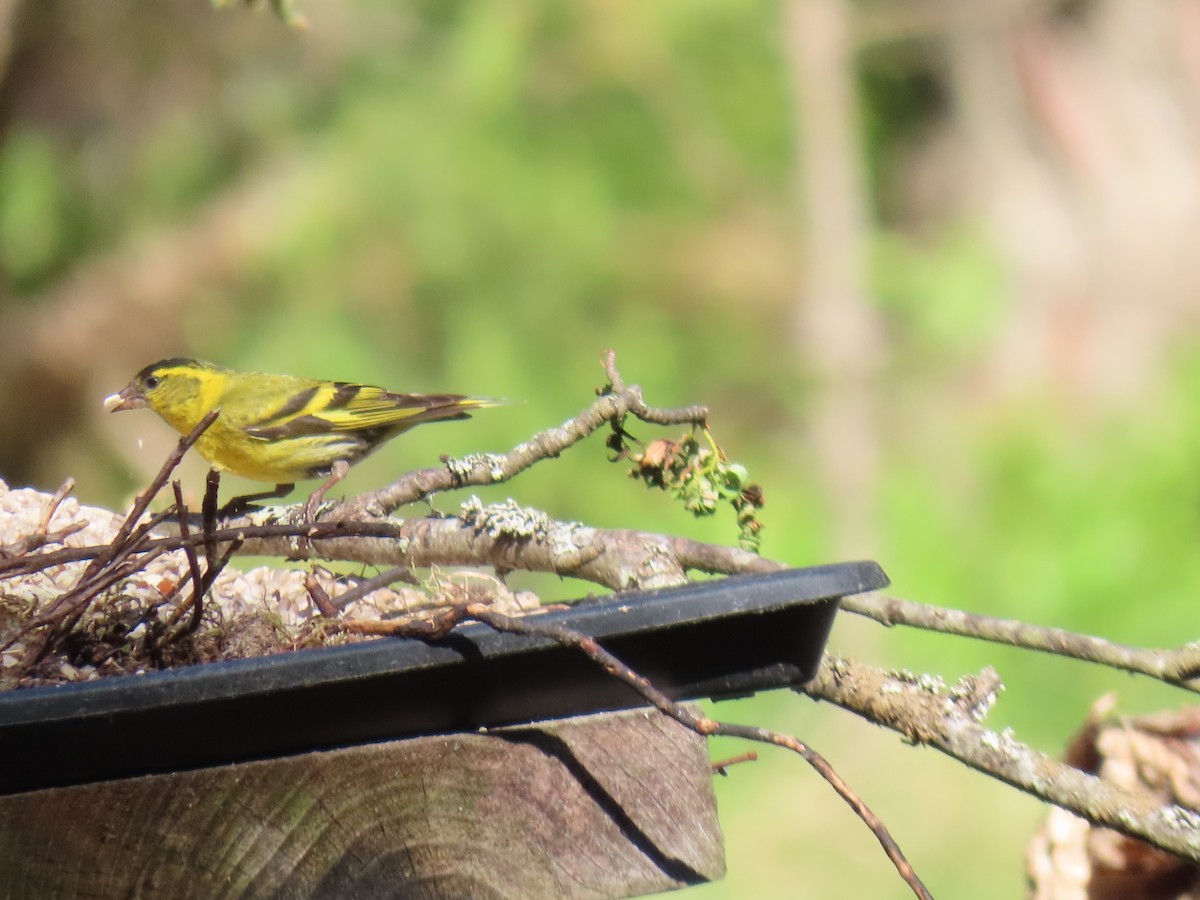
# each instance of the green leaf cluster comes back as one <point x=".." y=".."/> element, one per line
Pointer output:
<point x="696" y="475"/>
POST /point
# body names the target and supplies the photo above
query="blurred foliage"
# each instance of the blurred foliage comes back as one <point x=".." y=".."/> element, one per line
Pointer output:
<point x="942" y="298"/>
<point x="36" y="222"/>
<point x="482" y="197"/>
<point x="903" y="98"/>
<point x="284" y="9"/>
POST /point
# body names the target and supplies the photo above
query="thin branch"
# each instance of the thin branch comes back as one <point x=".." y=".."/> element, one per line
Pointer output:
<point x="722" y="766"/>
<point x="196" y="602"/>
<point x="320" y="597"/>
<point x="128" y="537"/>
<point x="42" y="534"/>
<point x="71" y="606"/>
<point x="441" y="625"/>
<point x="208" y="507"/>
<point x="369" y="585"/>
<point x="128" y="557"/>
<point x="1178" y="666"/>
<point x="52" y="506"/>
<point x="125" y="555"/>
<point x="482" y="469"/>
<point x="926" y="712"/>
<point x="143" y="500"/>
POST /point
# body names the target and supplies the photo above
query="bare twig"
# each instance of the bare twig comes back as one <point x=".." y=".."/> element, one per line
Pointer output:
<point x="42" y="535"/>
<point x="71" y="606"/>
<point x="948" y="719"/>
<point x="1178" y="666"/>
<point x="143" y="500"/>
<point x="196" y="603"/>
<point x="487" y="469"/>
<point x="212" y="485"/>
<point x="128" y="538"/>
<point x="201" y="583"/>
<point x="120" y="558"/>
<point x="368" y="585"/>
<point x="721" y="766"/>
<point x="54" y="503"/>
<point x="441" y="625"/>
<point x="216" y="562"/>
<point x="320" y="597"/>
<point x="128" y="558"/>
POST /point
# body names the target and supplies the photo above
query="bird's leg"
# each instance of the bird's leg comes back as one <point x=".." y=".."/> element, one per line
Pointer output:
<point x="239" y="505"/>
<point x="336" y="474"/>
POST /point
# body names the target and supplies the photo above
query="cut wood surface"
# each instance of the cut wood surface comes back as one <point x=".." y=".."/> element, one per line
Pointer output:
<point x="612" y="805"/>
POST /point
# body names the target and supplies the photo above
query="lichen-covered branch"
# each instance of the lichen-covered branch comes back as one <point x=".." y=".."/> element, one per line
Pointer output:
<point x="504" y="536"/>
<point x="949" y="718"/>
<point x="509" y="537"/>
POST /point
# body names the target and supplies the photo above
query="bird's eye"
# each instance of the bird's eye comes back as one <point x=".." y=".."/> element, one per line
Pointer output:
<point x="152" y="381"/>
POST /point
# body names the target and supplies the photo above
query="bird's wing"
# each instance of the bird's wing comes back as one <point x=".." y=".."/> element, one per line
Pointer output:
<point x="338" y="406"/>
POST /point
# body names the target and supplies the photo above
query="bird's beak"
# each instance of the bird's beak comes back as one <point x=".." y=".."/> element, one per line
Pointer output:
<point x="131" y="397"/>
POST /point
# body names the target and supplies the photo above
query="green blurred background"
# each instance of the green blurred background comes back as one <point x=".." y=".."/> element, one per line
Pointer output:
<point x="931" y="266"/>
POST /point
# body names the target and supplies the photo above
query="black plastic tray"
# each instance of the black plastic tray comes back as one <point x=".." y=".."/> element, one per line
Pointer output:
<point x="720" y="638"/>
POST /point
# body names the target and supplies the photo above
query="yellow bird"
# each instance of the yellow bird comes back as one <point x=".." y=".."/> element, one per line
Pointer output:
<point x="280" y="428"/>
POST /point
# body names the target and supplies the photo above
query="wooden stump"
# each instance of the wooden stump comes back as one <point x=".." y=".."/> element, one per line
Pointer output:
<point x="612" y="805"/>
